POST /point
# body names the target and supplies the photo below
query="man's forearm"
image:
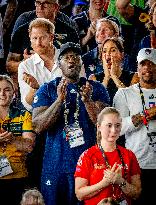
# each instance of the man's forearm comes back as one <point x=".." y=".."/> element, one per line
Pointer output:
<point x="30" y="96"/>
<point x="84" y="40"/>
<point x="140" y="119"/>
<point x="46" y="118"/>
<point x="151" y="113"/>
<point x="93" y="109"/>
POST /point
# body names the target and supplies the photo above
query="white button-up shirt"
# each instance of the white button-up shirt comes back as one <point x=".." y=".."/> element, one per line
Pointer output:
<point x="35" y="66"/>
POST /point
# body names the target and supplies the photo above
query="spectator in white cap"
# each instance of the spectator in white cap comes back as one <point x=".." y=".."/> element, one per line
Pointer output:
<point x="137" y="105"/>
<point x="147" y="54"/>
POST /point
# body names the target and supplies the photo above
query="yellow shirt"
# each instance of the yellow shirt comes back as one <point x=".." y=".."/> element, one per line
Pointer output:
<point x="17" y="122"/>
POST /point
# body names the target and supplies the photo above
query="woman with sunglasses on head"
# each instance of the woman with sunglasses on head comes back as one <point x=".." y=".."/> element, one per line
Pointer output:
<point x="112" y="55"/>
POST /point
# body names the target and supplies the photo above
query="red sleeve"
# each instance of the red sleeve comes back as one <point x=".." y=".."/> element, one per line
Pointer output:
<point x="83" y="166"/>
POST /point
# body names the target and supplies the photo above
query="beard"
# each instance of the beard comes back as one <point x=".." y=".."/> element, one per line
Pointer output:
<point x="73" y="72"/>
<point x="41" y="50"/>
<point x="148" y="80"/>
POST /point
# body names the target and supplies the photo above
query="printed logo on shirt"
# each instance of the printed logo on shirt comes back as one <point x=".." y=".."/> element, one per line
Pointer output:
<point x="92" y="67"/>
<point x="36" y="99"/>
<point x="99" y="166"/>
<point x="79" y="163"/>
<point x="151" y="97"/>
<point x="121" y="166"/>
<point x="151" y="104"/>
<point x="48" y="183"/>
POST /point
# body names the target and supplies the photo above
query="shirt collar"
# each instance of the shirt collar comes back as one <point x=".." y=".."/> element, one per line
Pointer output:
<point x="38" y="59"/>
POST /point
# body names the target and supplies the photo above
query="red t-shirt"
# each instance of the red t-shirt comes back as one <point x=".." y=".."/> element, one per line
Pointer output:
<point x="91" y="166"/>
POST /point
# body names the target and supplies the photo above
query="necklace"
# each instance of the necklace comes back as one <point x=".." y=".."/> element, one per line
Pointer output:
<point x="66" y="110"/>
<point x="120" y="196"/>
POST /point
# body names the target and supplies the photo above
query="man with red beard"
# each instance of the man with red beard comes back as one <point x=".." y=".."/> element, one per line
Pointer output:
<point x="137" y="105"/>
<point x="42" y="66"/>
<point x="65" y="30"/>
<point x="65" y="112"/>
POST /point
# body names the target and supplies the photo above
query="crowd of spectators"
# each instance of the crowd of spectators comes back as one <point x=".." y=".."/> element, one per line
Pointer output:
<point x="77" y="102"/>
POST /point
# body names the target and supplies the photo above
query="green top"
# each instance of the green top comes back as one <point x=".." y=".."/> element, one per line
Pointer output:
<point x="113" y="11"/>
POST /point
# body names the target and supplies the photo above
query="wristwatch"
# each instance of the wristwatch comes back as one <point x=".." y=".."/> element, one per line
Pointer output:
<point x="123" y="184"/>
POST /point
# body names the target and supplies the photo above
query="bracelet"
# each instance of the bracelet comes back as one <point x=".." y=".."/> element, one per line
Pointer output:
<point x="121" y="84"/>
<point x="146" y="112"/>
<point x="34" y="89"/>
<point x="145" y="122"/>
<point x="123" y="184"/>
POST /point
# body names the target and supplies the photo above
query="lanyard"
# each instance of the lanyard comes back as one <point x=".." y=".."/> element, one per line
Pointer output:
<point x="66" y="111"/>
<point x="143" y="105"/>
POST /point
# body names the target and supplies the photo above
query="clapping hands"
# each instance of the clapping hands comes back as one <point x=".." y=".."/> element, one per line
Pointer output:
<point x="113" y="175"/>
<point x="61" y="89"/>
<point x="86" y="92"/>
<point x="5" y="136"/>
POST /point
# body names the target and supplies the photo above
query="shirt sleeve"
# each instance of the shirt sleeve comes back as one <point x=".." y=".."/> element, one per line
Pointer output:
<point x="24" y="87"/>
<point x="43" y="97"/>
<point x="27" y="122"/>
<point x="83" y="166"/>
<point x="21" y="20"/>
<point x="120" y="102"/>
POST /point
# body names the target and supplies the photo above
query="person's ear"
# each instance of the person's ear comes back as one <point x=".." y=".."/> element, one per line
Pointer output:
<point x="98" y="126"/>
<point x="52" y="37"/>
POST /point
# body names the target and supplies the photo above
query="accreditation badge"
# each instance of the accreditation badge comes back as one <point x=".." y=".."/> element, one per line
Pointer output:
<point x="5" y="167"/>
<point x="124" y="202"/>
<point x="152" y="143"/>
<point x="74" y="135"/>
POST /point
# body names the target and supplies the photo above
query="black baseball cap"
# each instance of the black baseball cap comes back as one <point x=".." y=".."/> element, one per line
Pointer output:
<point x="70" y="46"/>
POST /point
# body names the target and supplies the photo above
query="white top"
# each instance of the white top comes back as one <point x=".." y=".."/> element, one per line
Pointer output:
<point x="35" y="66"/>
<point x="128" y="102"/>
